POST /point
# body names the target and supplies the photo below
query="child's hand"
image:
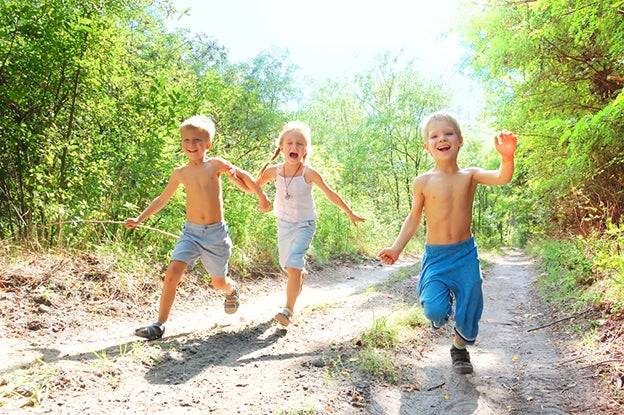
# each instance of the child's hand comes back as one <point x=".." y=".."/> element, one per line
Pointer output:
<point x="388" y="256"/>
<point x="131" y="223"/>
<point x="505" y="143"/>
<point x="264" y="204"/>
<point x="355" y="218"/>
<point x="231" y="172"/>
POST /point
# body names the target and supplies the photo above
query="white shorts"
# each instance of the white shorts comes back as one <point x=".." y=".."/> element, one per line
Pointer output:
<point x="294" y="239"/>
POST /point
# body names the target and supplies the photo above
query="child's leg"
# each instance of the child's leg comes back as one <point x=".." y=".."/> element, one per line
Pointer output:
<point x="224" y="284"/>
<point x="469" y="305"/>
<point x="293" y="287"/>
<point x="232" y="295"/>
<point x="435" y="298"/>
<point x="172" y="279"/>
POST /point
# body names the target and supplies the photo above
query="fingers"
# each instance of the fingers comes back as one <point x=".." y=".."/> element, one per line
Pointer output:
<point x="385" y="258"/>
<point x="505" y="136"/>
<point x="131" y="223"/>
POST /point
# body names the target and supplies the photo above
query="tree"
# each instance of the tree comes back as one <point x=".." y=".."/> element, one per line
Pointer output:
<point x="553" y="69"/>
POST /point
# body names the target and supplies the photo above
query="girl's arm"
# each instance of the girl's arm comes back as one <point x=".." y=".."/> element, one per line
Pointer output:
<point x="264" y="205"/>
<point x="243" y="180"/>
<point x="316" y="178"/>
<point x="268" y="175"/>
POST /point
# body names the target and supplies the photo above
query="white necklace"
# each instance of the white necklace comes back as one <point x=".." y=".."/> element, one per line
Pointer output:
<point x="288" y="195"/>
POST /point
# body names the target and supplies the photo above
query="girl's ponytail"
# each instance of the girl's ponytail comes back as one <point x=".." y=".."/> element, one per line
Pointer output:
<point x="267" y="165"/>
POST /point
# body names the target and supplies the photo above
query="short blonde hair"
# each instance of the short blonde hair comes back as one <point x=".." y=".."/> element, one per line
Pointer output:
<point x="202" y="123"/>
<point x="442" y="115"/>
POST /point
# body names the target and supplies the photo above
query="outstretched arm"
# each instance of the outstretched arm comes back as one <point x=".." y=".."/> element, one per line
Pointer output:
<point x="408" y="229"/>
<point x="505" y="143"/>
<point x="157" y="204"/>
<point x="243" y="180"/>
<point x="332" y="196"/>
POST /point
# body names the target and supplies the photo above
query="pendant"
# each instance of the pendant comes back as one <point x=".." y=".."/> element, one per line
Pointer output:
<point x="288" y="197"/>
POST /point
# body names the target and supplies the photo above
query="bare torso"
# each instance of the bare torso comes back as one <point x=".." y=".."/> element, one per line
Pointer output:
<point x="448" y="198"/>
<point x="204" y="200"/>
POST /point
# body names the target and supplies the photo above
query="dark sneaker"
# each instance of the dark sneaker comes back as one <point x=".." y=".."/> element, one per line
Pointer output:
<point x="284" y="317"/>
<point x="461" y="361"/>
<point x="232" y="301"/>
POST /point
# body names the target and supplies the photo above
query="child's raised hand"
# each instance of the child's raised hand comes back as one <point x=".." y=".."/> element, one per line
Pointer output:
<point x="505" y="143"/>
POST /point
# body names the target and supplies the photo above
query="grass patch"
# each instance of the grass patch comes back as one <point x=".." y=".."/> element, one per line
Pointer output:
<point x="27" y="387"/>
<point x="378" y="355"/>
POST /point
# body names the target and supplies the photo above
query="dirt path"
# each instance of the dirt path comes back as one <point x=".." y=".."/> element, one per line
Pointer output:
<point x="212" y="363"/>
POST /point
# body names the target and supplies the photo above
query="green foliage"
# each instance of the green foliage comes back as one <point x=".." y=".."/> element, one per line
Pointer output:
<point x="553" y="72"/>
<point x="93" y="93"/>
<point x="585" y="269"/>
<point x="368" y="130"/>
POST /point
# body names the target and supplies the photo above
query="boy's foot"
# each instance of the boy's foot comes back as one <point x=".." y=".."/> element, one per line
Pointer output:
<point x="152" y="332"/>
<point x="232" y="301"/>
<point x="461" y="361"/>
<point x="284" y="317"/>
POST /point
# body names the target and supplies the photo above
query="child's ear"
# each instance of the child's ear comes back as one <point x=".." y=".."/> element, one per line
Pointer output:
<point x="208" y="145"/>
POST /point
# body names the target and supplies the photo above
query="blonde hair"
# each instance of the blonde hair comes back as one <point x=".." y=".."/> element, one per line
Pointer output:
<point x="299" y="126"/>
<point x="202" y="123"/>
<point x="442" y="115"/>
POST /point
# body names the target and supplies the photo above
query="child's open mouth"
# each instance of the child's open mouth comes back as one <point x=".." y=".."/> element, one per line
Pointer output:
<point x="293" y="155"/>
<point x="444" y="148"/>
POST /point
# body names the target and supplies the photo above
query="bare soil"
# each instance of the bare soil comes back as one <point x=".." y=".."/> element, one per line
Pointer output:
<point x="66" y="354"/>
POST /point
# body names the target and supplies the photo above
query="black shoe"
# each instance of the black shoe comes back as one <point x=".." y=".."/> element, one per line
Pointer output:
<point x="461" y="361"/>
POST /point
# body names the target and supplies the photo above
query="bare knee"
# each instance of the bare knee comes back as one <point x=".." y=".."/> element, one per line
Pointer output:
<point x="174" y="272"/>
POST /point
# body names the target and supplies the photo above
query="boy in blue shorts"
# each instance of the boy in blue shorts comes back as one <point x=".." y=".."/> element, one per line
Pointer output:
<point x="450" y="264"/>
<point x="205" y="233"/>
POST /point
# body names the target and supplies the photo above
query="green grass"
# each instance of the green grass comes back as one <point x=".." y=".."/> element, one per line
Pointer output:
<point x="377" y="356"/>
<point x="29" y="387"/>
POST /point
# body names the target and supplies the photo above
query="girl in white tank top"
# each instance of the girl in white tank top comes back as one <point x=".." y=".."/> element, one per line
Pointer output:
<point x="294" y="207"/>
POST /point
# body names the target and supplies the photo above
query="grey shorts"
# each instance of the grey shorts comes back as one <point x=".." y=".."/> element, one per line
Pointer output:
<point x="210" y="243"/>
<point x="293" y="240"/>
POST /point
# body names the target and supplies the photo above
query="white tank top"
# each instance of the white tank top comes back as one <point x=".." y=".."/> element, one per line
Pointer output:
<point x="298" y="204"/>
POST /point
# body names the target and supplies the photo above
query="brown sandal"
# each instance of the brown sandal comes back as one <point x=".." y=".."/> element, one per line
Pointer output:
<point x="232" y="301"/>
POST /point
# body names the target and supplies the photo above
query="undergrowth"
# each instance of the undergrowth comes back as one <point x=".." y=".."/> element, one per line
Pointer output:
<point x="585" y="276"/>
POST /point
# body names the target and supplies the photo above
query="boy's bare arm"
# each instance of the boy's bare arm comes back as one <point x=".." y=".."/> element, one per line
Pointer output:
<point x="158" y="203"/>
<point x="505" y="143"/>
<point x="408" y="229"/>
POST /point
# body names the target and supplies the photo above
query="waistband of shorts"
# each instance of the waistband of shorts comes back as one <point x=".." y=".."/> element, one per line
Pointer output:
<point x="191" y="226"/>
<point x="459" y="246"/>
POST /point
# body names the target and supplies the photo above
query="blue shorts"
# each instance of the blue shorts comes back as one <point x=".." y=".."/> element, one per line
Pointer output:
<point x="293" y="240"/>
<point x="210" y="243"/>
<point x="453" y="269"/>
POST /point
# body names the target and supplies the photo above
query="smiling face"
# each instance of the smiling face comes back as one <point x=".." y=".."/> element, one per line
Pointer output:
<point x="195" y="142"/>
<point x="293" y="146"/>
<point x="442" y="140"/>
